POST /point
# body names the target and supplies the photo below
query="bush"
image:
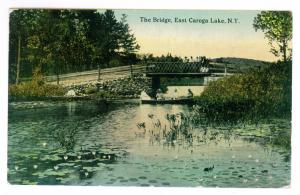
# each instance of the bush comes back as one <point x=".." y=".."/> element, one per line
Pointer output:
<point x="31" y="89"/>
<point x="114" y="63"/>
<point x="90" y="90"/>
<point x="257" y="94"/>
<point x="34" y="89"/>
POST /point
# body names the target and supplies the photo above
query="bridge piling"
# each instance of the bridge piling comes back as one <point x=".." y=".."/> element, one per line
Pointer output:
<point x="155" y="83"/>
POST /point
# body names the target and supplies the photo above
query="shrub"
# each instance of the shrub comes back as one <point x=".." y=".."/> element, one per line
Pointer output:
<point x="114" y="63"/>
<point x="34" y="89"/>
<point x="31" y="89"/>
<point x="254" y="95"/>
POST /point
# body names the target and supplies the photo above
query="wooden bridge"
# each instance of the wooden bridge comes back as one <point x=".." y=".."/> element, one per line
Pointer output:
<point x="177" y="69"/>
<point x="192" y="70"/>
<point x="155" y="70"/>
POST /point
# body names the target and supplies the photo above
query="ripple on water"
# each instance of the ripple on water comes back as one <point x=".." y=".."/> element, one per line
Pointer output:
<point x="133" y="179"/>
<point x="225" y="173"/>
<point x="152" y="181"/>
<point x="165" y="183"/>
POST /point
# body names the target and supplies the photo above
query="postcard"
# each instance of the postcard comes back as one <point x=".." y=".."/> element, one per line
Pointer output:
<point x="137" y="97"/>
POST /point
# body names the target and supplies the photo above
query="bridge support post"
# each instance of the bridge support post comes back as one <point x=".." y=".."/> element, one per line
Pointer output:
<point x="155" y="84"/>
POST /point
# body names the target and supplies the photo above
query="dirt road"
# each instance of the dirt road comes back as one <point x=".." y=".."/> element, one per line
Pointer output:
<point x="92" y="76"/>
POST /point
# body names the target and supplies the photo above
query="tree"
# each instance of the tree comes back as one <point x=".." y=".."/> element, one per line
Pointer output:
<point x="277" y="27"/>
<point x="62" y="41"/>
<point x="22" y="24"/>
<point x="128" y="44"/>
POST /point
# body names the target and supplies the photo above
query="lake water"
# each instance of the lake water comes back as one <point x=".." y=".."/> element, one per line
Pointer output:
<point x="85" y="143"/>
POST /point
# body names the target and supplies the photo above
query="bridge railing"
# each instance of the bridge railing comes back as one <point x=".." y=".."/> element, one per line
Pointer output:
<point x="187" y="67"/>
<point x="176" y="67"/>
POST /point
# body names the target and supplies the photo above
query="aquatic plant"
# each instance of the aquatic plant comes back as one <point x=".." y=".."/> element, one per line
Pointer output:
<point x="66" y="136"/>
<point x="184" y="129"/>
<point x="178" y="128"/>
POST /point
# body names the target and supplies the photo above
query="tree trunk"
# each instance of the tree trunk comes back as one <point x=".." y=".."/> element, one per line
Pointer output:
<point x="131" y="71"/>
<point x="57" y="75"/>
<point x="284" y="47"/>
<point x="57" y="78"/>
<point x="18" y="61"/>
<point x="99" y="73"/>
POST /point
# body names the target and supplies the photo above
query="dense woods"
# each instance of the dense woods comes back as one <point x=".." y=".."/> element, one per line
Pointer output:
<point x="62" y="41"/>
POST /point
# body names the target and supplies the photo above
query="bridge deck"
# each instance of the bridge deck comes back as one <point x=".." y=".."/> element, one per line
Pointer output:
<point x="166" y="74"/>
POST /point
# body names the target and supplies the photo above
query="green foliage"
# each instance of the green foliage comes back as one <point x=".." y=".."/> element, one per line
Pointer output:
<point x="66" y="136"/>
<point x="114" y="63"/>
<point x="62" y="41"/>
<point x="168" y="58"/>
<point x="35" y="88"/>
<point x="255" y="95"/>
<point x="90" y="90"/>
<point x="277" y="27"/>
<point x="38" y="76"/>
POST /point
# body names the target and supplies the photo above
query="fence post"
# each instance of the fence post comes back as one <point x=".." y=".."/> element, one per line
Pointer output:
<point x="99" y="73"/>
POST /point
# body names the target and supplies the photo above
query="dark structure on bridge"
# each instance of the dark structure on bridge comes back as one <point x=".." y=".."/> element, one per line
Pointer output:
<point x="194" y="71"/>
<point x="171" y="69"/>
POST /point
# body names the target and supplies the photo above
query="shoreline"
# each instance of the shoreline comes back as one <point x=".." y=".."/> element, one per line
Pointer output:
<point x="68" y="98"/>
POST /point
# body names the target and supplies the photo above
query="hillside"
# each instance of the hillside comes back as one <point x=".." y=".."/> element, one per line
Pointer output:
<point x="241" y="64"/>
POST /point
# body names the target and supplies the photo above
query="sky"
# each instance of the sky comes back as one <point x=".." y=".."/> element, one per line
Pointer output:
<point x="197" y="39"/>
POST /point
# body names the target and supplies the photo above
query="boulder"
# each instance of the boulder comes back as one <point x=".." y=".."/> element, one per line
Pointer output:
<point x="71" y="93"/>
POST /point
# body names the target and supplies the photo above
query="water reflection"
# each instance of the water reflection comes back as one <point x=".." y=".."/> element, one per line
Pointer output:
<point x="178" y="128"/>
<point x="84" y="143"/>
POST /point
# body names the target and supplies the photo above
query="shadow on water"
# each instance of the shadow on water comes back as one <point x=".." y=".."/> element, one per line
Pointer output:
<point x="39" y="110"/>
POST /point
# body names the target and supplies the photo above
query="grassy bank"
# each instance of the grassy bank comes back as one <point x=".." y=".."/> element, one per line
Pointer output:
<point x="34" y="91"/>
<point x="255" y="95"/>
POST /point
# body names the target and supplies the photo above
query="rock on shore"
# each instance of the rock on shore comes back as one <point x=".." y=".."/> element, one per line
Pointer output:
<point x="126" y="87"/>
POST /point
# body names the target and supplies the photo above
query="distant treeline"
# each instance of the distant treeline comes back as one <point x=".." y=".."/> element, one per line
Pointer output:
<point x="169" y="58"/>
<point x="241" y="62"/>
<point x="62" y="41"/>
